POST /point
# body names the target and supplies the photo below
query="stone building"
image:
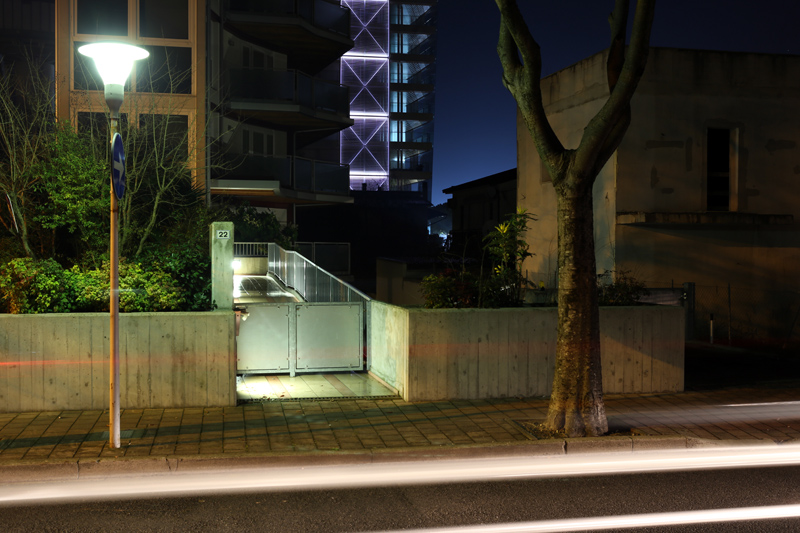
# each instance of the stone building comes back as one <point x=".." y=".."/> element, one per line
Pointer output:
<point x="704" y="187"/>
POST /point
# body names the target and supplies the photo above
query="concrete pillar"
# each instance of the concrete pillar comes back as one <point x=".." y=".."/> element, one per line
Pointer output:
<point x="221" y="242"/>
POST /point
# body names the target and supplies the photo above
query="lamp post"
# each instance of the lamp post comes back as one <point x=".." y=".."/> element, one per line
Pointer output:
<point x="114" y="62"/>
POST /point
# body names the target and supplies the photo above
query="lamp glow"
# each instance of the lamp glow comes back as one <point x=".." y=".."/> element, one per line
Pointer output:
<point x="114" y="62"/>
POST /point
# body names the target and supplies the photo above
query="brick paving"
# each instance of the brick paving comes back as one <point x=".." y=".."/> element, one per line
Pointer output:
<point x="771" y="415"/>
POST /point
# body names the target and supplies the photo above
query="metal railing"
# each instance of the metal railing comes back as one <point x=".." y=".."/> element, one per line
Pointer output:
<point x="288" y="86"/>
<point x="250" y="249"/>
<point x="321" y="13"/>
<point x="293" y="172"/>
<point x="332" y="256"/>
<point x="313" y="283"/>
<point x="310" y="281"/>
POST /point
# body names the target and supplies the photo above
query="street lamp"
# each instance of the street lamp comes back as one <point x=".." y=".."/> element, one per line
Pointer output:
<point x="114" y="62"/>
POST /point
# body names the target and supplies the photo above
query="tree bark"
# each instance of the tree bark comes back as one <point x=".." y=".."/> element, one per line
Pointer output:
<point x="576" y="403"/>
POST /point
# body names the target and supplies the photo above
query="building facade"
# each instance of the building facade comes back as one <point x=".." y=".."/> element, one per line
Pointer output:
<point x="255" y="85"/>
<point x="477" y="207"/>
<point x="276" y="104"/>
<point x="391" y="74"/>
<point x="703" y="188"/>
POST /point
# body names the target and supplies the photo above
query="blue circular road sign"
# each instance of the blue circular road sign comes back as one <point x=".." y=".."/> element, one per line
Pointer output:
<point x="117" y="166"/>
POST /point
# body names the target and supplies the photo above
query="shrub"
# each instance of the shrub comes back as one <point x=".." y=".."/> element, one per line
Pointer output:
<point x="190" y="268"/>
<point x="450" y="289"/>
<point x="31" y="286"/>
<point x="619" y="289"/>
<point x="35" y="286"/>
<point x="504" y="286"/>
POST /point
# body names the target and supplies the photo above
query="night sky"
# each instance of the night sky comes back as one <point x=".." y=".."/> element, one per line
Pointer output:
<point x="475" y="126"/>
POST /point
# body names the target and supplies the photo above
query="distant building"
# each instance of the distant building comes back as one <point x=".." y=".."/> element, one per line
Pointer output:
<point x="391" y="74"/>
<point x="477" y="207"/>
<point x="704" y="187"/>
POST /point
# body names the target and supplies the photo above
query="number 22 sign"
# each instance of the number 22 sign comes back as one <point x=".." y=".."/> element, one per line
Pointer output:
<point x="223" y="234"/>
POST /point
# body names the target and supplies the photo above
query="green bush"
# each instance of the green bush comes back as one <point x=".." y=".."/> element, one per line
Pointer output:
<point x="450" y="289"/>
<point x="190" y="268"/>
<point x="31" y="286"/>
<point x="35" y="286"/>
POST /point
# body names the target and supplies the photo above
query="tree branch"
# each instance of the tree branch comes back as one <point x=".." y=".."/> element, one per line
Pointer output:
<point x="523" y="79"/>
<point x="596" y="138"/>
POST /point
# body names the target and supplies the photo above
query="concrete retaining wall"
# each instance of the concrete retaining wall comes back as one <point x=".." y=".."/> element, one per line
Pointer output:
<point x="54" y="362"/>
<point x="433" y="354"/>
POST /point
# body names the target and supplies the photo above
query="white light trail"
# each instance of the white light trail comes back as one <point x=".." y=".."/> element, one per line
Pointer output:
<point x="248" y="478"/>
<point x="628" y="521"/>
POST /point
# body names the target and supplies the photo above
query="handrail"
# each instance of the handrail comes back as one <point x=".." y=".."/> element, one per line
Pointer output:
<point x="313" y="283"/>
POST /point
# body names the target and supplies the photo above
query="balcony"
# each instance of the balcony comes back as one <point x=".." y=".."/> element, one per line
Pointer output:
<point x="313" y="33"/>
<point x="294" y="179"/>
<point x="289" y="100"/>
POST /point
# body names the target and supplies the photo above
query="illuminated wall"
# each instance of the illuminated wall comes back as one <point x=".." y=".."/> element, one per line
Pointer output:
<point x="365" y="69"/>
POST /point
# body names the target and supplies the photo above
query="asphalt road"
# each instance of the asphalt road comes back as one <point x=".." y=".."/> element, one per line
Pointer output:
<point x="398" y="508"/>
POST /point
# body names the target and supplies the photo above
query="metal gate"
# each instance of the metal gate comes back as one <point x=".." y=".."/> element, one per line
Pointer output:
<point x="324" y="333"/>
<point x="302" y="337"/>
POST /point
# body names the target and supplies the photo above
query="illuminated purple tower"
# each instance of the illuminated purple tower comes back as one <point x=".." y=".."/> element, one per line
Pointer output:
<point x="390" y="72"/>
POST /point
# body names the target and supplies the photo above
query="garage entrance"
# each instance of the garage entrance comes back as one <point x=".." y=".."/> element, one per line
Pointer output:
<point x="295" y="317"/>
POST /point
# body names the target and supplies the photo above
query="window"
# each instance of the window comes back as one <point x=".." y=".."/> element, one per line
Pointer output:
<point x="166" y="19"/>
<point x="258" y="59"/>
<point x="167" y="70"/>
<point x="86" y="75"/>
<point x="258" y="143"/>
<point x="718" y="169"/>
<point x="103" y="17"/>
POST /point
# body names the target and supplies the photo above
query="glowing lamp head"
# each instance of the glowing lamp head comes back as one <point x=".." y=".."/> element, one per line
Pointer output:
<point x="114" y="62"/>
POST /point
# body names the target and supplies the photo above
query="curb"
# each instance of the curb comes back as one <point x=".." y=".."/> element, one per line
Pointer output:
<point x="33" y="471"/>
<point x="48" y="470"/>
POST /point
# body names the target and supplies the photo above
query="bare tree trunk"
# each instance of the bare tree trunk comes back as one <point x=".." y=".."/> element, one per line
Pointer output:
<point x="22" y="226"/>
<point x="151" y="223"/>
<point x="576" y="403"/>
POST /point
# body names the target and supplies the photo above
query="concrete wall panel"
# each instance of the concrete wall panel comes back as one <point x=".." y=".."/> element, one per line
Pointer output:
<point x="60" y="361"/>
<point x="495" y="353"/>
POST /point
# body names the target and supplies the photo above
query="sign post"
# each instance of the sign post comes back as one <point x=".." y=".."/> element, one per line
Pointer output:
<point x="118" y="188"/>
<point x="114" y="62"/>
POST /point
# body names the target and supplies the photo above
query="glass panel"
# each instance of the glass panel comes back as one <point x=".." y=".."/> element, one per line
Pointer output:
<point x="167" y="70"/>
<point x="86" y="76"/>
<point x="103" y="17"/>
<point x="167" y="19"/>
<point x="258" y="143"/>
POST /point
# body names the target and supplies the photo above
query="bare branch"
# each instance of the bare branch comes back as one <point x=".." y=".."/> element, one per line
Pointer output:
<point x="597" y="133"/>
<point x="523" y="79"/>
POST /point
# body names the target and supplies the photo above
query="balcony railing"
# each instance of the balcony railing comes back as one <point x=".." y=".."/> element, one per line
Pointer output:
<point x="289" y="86"/>
<point x="308" y="175"/>
<point x="320" y="13"/>
<point x="419" y="163"/>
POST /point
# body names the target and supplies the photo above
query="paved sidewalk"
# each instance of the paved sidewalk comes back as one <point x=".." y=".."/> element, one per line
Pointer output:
<point x="366" y="430"/>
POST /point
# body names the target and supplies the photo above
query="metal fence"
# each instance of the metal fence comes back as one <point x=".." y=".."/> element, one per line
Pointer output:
<point x="313" y="283"/>
<point x="726" y="314"/>
<point x="250" y="249"/>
